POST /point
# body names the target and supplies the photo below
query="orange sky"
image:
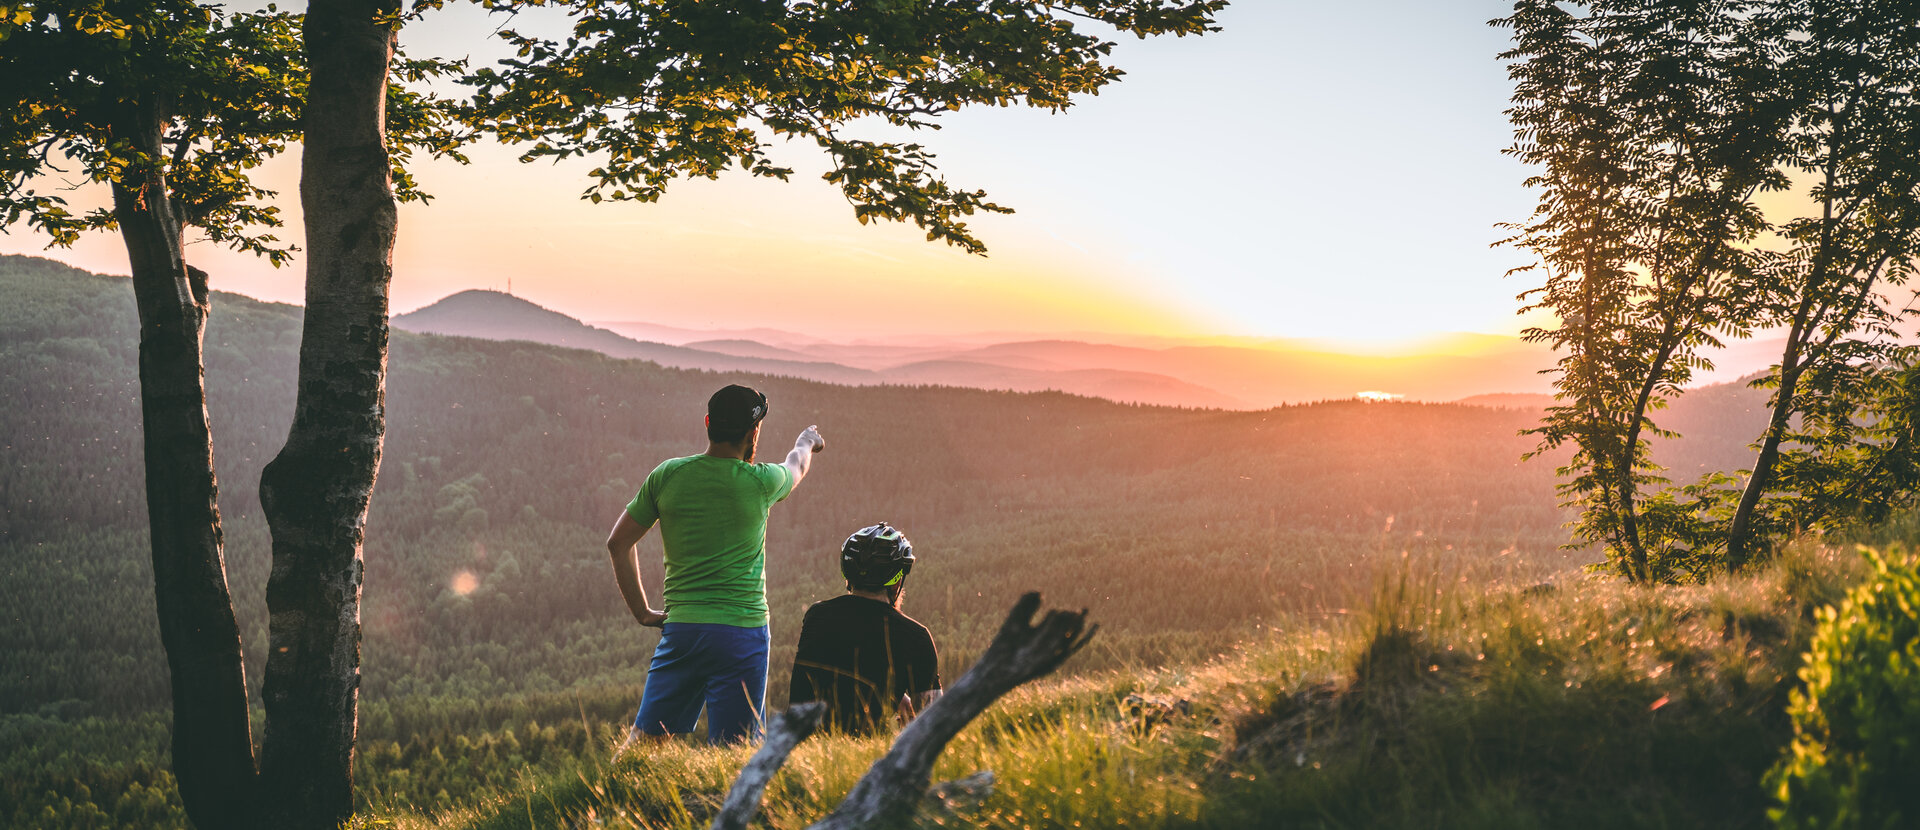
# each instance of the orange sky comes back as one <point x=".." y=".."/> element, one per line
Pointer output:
<point x="793" y="260"/>
<point x="1287" y="177"/>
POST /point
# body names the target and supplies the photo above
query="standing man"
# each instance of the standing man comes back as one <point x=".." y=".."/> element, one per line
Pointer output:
<point x="712" y="510"/>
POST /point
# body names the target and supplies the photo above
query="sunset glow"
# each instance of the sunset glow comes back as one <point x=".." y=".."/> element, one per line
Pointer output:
<point x="1134" y="218"/>
<point x="1446" y="414"/>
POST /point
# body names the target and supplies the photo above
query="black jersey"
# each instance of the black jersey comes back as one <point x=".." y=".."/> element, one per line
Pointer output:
<point x="859" y="655"/>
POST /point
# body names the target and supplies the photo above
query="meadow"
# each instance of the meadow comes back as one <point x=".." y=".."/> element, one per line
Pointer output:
<point x="1436" y="705"/>
<point x="496" y="646"/>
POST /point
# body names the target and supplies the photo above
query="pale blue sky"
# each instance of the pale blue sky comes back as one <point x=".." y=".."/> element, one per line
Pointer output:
<point x="1313" y="170"/>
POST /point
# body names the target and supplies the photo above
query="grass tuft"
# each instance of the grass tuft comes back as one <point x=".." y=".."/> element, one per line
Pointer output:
<point x="1443" y="704"/>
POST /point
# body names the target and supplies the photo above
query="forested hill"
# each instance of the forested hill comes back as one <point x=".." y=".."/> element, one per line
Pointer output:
<point x="507" y="461"/>
<point x="488" y="599"/>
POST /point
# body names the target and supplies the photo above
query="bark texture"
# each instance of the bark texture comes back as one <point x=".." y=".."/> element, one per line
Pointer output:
<point x="212" y="740"/>
<point x="894" y="787"/>
<point x="316" y="491"/>
<point x="784" y="732"/>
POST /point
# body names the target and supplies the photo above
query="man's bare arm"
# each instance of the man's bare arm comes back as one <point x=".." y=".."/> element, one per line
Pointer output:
<point x="626" y="569"/>
<point x="801" y="458"/>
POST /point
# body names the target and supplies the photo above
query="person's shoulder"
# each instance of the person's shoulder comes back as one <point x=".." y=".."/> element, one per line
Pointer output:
<point x="911" y="624"/>
<point x="841" y="604"/>
<point x="672" y="464"/>
<point x="771" y="472"/>
<point x="812" y="616"/>
<point x="824" y="607"/>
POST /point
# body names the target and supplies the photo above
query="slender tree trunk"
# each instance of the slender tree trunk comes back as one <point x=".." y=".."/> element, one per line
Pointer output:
<point x="315" y="493"/>
<point x="1629" y="515"/>
<point x="212" y="742"/>
<point x="1740" y="541"/>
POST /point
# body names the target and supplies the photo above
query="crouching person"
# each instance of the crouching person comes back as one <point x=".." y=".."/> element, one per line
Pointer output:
<point x="870" y="663"/>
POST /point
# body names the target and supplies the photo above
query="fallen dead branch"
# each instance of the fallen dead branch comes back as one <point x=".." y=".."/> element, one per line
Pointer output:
<point x="896" y="785"/>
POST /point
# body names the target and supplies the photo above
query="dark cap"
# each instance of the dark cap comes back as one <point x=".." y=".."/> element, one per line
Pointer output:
<point x="736" y="406"/>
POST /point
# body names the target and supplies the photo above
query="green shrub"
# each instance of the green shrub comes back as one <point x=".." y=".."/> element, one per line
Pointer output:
<point x="1855" y="756"/>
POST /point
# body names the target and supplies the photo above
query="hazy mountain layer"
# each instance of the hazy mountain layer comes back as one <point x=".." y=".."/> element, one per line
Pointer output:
<point x="1204" y="376"/>
<point x="497" y="316"/>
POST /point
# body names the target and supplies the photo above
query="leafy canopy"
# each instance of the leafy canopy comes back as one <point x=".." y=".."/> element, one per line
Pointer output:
<point x="665" y="89"/>
<point x="78" y="78"/>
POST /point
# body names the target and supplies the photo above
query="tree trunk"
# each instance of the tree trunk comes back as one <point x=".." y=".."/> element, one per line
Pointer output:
<point x="316" y="491"/>
<point x="1740" y="536"/>
<point x="212" y="741"/>
<point x="1629" y="517"/>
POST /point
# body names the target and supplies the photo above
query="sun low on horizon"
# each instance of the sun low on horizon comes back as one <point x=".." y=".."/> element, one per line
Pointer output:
<point x="1487" y="413"/>
<point x="1349" y="201"/>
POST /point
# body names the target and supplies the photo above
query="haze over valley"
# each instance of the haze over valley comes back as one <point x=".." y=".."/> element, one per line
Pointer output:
<point x="1170" y="372"/>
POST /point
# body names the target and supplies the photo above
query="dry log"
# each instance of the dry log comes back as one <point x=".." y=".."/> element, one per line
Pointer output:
<point x="784" y="732"/>
<point x="894" y="787"/>
<point x="961" y="795"/>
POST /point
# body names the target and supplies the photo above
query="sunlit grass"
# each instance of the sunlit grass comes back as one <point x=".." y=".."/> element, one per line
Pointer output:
<point x="1438" y="704"/>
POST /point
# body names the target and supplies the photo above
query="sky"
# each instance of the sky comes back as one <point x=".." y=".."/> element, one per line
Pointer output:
<point x="1319" y="170"/>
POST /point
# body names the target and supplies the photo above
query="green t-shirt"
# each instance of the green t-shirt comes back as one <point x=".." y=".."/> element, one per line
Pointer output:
<point x="713" y="524"/>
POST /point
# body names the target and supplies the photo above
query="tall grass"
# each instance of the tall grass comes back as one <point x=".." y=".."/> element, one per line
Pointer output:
<point x="1440" y="703"/>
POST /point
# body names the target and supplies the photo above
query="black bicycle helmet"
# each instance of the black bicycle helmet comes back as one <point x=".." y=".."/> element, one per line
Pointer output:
<point x="876" y="557"/>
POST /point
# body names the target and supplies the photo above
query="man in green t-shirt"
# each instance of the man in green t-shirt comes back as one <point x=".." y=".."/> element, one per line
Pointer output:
<point x="712" y="512"/>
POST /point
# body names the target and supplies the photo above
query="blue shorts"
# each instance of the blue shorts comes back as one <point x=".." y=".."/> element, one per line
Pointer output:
<point x="723" y="667"/>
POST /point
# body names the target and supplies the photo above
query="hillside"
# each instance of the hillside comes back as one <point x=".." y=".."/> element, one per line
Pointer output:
<point x="508" y="458"/>
<point x="1437" y="705"/>
<point x="499" y="316"/>
<point x="505" y="462"/>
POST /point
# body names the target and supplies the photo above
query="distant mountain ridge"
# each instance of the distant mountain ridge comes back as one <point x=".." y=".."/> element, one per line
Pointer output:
<point x="496" y="315"/>
<point x="1256" y="375"/>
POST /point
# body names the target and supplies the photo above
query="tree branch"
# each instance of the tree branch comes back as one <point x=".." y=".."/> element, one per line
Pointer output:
<point x="896" y="785"/>
<point x="784" y="732"/>
<point x="1022" y="651"/>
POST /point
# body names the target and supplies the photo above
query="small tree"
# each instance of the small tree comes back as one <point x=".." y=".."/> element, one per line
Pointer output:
<point x="1851" y="69"/>
<point x="1654" y="124"/>
<point x="1649" y="123"/>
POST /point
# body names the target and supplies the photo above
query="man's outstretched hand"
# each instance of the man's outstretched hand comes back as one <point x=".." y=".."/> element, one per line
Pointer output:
<point x="801" y="459"/>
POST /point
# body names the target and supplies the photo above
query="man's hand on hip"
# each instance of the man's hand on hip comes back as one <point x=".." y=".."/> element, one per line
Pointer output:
<point x="651" y="618"/>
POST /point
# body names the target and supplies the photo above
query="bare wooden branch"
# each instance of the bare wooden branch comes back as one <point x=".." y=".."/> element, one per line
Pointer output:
<point x="784" y="732"/>
<point x="951" y="798"/>
<point x="894" y="787"/>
